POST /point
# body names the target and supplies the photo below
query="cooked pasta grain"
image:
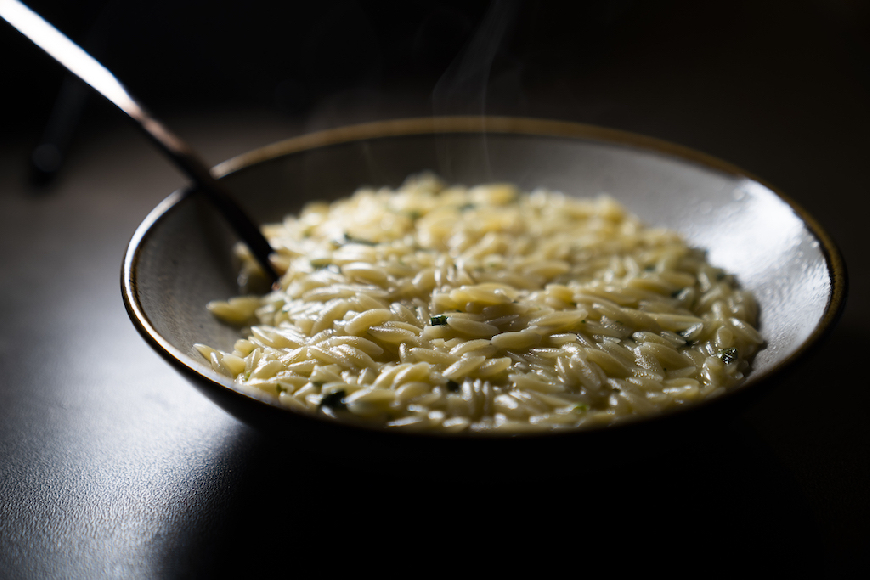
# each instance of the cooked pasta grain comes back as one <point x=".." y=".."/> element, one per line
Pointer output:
<point x="484" y="308"/>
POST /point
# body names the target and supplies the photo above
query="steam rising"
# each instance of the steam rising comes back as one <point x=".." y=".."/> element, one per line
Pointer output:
<point x="462" y="88"/>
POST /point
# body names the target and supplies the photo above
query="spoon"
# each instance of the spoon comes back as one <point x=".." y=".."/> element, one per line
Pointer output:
<point x="83" y="65"/>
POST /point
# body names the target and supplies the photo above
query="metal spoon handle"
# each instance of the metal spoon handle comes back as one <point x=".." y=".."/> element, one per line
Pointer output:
<point x="83" y="65"/>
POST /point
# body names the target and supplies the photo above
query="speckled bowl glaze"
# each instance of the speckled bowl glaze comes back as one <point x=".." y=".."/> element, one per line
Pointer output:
<point x="180" y="258"/>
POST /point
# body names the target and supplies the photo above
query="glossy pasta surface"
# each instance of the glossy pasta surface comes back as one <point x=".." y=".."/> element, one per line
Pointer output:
<point x="485" y="308"/>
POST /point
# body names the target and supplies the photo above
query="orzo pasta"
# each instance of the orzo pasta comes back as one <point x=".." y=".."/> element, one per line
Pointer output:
<point x="483" y="308"/>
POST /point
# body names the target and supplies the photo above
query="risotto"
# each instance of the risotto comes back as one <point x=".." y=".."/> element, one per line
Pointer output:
<point x="484" y="308"/>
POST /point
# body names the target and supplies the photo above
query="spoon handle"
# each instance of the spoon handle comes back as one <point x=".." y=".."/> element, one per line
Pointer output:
<point x="83" y="65"/>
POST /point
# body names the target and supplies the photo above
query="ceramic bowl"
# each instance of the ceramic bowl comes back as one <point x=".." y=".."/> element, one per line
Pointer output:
<point x="180" y="257"/>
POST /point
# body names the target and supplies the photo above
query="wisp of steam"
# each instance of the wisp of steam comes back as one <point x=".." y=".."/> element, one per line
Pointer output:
<point x="462" y="89"/>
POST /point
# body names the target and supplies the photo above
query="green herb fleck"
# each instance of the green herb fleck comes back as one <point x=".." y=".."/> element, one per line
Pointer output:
<point x="320" y="264"/>
<point x="467" y="206"/>
<point x="581" y="408"/>
<point x="349" y="239"/>
<point x="728" y="355"/>
<point x="415" y="214"/>
<point x="334" y="400"/>
<point x="439" y="320"/>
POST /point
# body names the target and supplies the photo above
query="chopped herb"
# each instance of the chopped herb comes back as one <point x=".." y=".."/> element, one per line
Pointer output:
<point x="349" y="239"/>
<point x="452" y="387"/>
<point x="728" y="355"/>
<point x="334" y="400"/>
<point x="467" y="206"/>
<point x="320" y="264"/>
<point x="415" y="214"/>
<point x="439" y="320"/>
<point x="582" y="407"/>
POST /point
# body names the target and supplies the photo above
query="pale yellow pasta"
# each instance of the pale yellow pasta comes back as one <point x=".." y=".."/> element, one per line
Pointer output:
<point x="485" y="309"/>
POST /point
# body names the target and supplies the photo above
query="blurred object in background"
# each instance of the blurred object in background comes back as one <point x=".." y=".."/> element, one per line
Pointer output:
<point x="582" y="61"/>
<point x="192" y="54"/>
<point x="66" y="113"/>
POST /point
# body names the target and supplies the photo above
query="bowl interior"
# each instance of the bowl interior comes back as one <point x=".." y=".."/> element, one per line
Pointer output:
<point x="180" y="258"/>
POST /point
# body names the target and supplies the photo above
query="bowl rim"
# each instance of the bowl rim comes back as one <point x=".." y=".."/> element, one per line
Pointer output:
<point x="479" y="125"/>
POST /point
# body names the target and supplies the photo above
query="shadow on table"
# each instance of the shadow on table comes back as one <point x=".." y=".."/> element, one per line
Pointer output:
<point x="727" y="505"/>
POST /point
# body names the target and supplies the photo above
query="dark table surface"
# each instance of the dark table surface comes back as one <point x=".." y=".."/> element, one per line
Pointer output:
<point x="113" y="466"/>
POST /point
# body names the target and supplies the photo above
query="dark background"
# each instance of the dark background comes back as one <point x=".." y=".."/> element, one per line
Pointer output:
<point x="112" y="466"/>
